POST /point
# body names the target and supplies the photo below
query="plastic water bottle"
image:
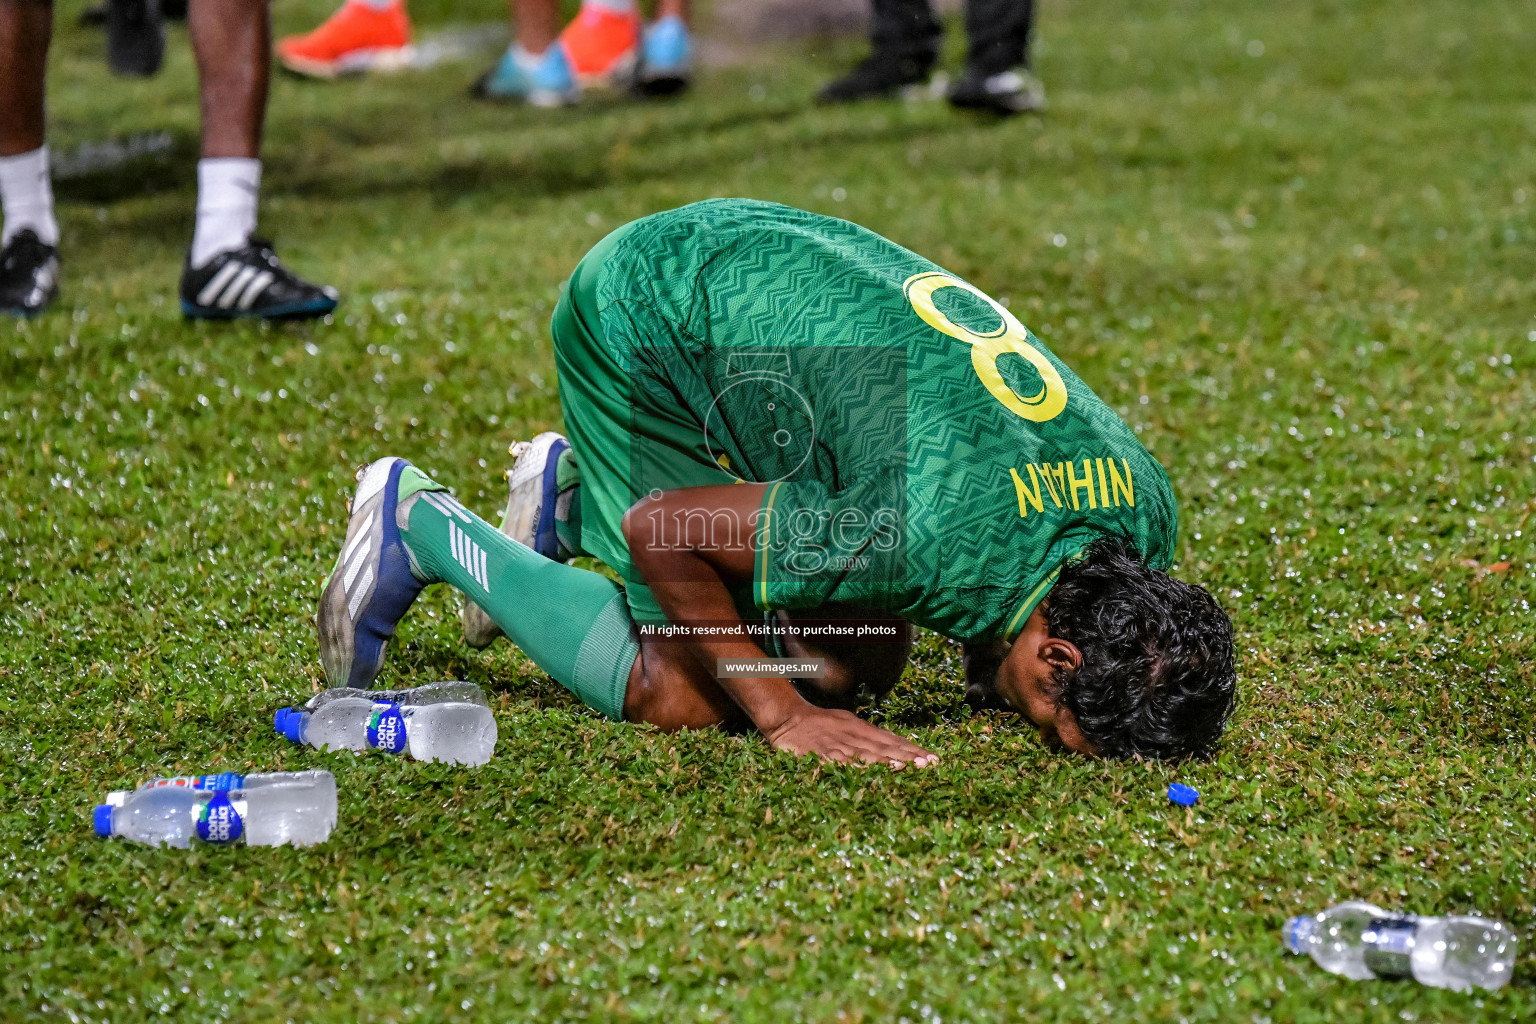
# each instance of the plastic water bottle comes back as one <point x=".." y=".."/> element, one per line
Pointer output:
<point x="455" y="690"/>
<point x="450" y="691"/>
<point x="324" y="782"/>
<point x="298" y="813"/>
<point x="458" y="732"/>
<point x="1361" y="941"/>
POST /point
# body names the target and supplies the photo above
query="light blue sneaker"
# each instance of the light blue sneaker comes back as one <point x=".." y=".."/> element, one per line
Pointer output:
<point x="666" y="57"/>
<point x="544" y="80"/>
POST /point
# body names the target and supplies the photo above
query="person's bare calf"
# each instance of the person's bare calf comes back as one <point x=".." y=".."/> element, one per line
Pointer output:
<point x="26" y="27"/>
<point x="669" y="689"/>
<point x="232" y="41"/>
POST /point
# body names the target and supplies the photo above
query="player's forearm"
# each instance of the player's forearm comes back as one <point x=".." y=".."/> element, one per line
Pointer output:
<point x="769" y="701"/>
<point x="693" y="595"/>
<point x="687" y="559"/>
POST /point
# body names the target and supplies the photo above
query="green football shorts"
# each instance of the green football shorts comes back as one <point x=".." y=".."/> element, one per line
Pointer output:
<point x="621" y="435"/>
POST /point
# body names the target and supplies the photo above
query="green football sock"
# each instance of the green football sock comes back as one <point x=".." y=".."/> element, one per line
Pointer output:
<point x="574" y="624"/>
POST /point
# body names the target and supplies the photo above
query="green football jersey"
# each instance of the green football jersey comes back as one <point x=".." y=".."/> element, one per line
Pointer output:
<point x="925" y="454"/>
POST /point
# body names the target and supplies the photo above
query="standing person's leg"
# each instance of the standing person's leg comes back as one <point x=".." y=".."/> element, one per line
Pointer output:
<point x="533" y="69"/>
<point x="537" y="23"/>
<point x="997" y="34"/>
<point x="997" y="72"/>
<point x="29" y="234"/>
<point x="229" y="273"/>
<point x="232" y="41"/>
<point x="906" y="29"/>
<point x="603" y="43"/>
<point x="905" y="37"/>
<point x="26" y="28"/>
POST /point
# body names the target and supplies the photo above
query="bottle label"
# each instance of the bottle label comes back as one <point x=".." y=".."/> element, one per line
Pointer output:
<point x="221" y="781"/>
<point x="386" y="728"/>
<point x="221" y="820"/>
<point x="1389" y="947"/>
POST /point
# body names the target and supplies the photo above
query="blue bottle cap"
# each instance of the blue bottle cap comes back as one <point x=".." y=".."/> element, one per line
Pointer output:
<point x="1184" y="796"/>
<point x="103" y="820"/>
<point x="293" y="726"/>
<point x="1297" y="931"/>
<point x="279" y="718"/>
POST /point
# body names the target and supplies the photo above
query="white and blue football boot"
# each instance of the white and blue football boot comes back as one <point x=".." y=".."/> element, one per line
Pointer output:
<point x="372" y="586"/>
<point x="533" y="499"/>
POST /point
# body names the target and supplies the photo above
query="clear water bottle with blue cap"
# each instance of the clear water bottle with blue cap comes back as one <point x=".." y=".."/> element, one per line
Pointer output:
<point x="451" y="691"/>
<point x="340" y="724"/>
<point x="448" y="691"/>
<point x="455" y="731"/>
<point x="1361" y="941"/>
<point x="298" y="813"/>
<point x="324" y="781"/>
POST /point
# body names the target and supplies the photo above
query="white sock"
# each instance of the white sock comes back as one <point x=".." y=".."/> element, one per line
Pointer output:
<point x="226" y="206"/>
<point x="378" y="5"/>
<point x="616" y="6"/>
<point x="26" y="196"/>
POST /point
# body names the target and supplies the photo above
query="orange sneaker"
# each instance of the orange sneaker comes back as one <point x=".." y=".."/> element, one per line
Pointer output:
<point x="357" y="38"/>
<point x="603" y="45"/>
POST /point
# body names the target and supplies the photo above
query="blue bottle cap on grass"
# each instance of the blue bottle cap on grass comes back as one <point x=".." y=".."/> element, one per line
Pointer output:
<point x="281" y="717"/>
<point x="103" y="820"/>
<point x="1184" y="796"/>
<point x="1297" y="931"/>
<point x="293" y="726"/>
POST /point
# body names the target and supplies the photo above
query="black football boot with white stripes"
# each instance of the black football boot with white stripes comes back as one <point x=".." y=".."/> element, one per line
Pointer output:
<point x="251" y="282"/>
<point x="29" y="275"/>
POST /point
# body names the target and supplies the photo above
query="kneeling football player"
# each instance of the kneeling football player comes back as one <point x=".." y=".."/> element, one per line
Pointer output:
<point x="793" y="438"/>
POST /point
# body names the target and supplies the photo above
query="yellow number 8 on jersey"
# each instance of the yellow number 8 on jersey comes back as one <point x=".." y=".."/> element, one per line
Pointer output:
<point x="986" y="348"/>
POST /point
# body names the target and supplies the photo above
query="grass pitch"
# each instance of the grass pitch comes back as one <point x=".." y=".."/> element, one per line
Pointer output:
<point x="1291" y="243"/>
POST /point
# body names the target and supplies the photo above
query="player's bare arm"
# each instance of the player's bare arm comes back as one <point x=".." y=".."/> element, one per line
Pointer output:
<point x="689" y="567"/>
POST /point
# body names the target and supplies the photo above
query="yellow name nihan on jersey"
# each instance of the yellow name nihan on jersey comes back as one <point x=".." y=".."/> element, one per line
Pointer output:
<point x="1063" y="485"/>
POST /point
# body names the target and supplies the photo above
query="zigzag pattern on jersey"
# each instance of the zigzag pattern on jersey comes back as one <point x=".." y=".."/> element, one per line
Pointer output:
<point x="814" y="300"/>
<point x="981" y="509"/>
<point x="740" y="243"/>
<point x="727" y="275"/>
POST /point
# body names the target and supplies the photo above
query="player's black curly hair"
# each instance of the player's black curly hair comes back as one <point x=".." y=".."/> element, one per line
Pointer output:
<point x="1157" y="677"/>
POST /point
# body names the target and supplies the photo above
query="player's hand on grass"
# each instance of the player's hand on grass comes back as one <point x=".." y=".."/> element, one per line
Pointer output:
<point x="846" y="738"/>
